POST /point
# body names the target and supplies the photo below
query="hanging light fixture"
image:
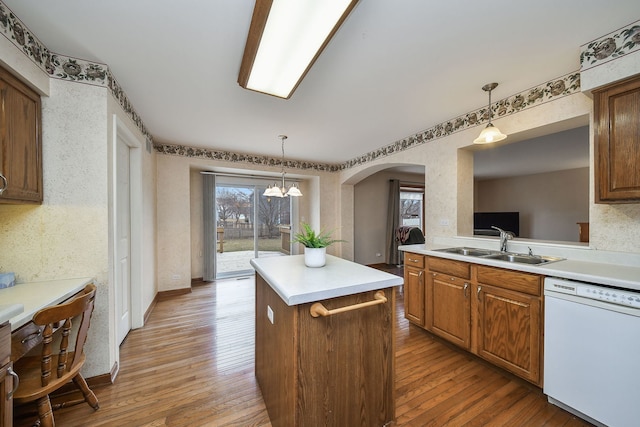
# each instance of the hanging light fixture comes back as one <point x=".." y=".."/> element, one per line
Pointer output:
<point x="490" y="133"/>
<point x="285" y="38"/>
<point x="275" y="191"/>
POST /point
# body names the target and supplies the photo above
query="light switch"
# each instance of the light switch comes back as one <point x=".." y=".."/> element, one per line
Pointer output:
<point x="270" y="314"/>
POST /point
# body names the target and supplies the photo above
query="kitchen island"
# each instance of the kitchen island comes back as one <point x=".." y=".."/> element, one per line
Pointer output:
<point x="325" y="342"/>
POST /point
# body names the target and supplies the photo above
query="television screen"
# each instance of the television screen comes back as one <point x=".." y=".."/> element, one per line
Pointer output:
<point x="508" y="221"/>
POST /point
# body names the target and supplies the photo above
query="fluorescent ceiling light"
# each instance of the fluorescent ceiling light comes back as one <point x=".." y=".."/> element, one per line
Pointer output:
<point x="284" y="40"/>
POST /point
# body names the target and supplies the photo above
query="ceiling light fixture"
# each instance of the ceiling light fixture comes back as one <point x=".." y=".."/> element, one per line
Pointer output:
<point x="490" y="133"/>
<point x="284" y="40"/>
<point x="275" y="191"/>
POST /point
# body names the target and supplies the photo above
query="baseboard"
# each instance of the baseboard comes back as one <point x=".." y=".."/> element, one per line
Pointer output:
<point x="164" y="295"/>
<point x="93" y="382"/>
<point x="149" y="310"/>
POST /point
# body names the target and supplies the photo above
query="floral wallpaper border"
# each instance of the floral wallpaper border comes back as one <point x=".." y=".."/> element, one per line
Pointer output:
<point x="78" y="70"/>
<point x="614" y="45"/>
<point x="541" y="94"/>
<point x="64" y="67"/>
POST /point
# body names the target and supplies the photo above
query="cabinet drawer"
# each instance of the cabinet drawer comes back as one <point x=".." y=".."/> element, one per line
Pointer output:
<point x="24" y="339"/>
<point x="413" y="260"/>
<point x="508" y="279"/>
<point x="449" y="266"/>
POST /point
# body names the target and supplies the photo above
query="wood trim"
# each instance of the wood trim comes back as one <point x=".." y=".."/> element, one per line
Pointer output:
<point x="93" y="382"/>
<point x="164" y="295"/>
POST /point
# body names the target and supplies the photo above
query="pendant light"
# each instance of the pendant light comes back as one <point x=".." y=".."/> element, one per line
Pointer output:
<point x="275" y="191"/>
<point x="490" y="133"/>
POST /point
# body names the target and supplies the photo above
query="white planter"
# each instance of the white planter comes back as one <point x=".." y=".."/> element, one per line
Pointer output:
<point x="315" y="257"/>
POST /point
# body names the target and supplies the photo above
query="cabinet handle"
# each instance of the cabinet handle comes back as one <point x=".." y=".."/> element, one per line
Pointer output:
<point x="4" y="183"/>
<point x="31" y="336"/>
<point x="318" y="309"/>
<point x="16" y="382"/>
<point x="414" y="260"/>
<point x="478" y="291"/>
<point x="420" y="274"/>
<point x="466" y="286"/>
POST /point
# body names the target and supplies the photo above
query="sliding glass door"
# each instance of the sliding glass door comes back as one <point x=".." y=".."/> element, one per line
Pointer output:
<point x="248" y="224"/>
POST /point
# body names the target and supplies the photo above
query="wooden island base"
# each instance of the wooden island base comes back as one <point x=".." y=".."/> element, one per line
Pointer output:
<point x="325" y="371"/>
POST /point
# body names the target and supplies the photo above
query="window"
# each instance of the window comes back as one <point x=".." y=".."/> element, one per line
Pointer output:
<point x="412" y="206"/>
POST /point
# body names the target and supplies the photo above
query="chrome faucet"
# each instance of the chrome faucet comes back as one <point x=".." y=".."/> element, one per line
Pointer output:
<point x="504" y="237"/>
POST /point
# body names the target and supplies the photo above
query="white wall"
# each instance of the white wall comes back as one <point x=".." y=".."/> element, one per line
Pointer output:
<point x="68" y="235"/>
<point x="371" y="196"/>
<point x="179" y="195"/>
<point x="449" y="178"/>
<point x="550" y="204"/>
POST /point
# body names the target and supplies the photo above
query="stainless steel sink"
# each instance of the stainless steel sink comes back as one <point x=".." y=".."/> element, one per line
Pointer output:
<point x="467" y="251"/>
<point x="501" y="256"/>
<point x="523" y="259"/>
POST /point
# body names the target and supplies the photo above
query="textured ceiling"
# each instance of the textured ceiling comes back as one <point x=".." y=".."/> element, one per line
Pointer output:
<point x="393" y="69"/>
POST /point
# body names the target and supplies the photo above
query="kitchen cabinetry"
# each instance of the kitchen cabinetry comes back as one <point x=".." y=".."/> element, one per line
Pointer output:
<point x="336" y="369"/>
<point x="20" y="142"/>
<point x="414" y="288"/>
<point x="509" y="320"/>
<point x="617" y="142"/>
<point x="492" y="312"/>
<point x="448" y="303"/>
<point x="6" y="377"/>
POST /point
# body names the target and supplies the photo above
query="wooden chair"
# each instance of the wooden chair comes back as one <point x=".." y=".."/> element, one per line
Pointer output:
<point x="38" y="378"/>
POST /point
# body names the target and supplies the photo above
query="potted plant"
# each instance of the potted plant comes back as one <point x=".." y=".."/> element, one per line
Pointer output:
<point x="315" y="245"/>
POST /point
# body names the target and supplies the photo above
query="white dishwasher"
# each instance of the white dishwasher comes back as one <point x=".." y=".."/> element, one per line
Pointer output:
<point x="592" y="351"/>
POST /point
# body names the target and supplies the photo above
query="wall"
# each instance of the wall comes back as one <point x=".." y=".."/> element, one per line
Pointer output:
<point x="449" y="178"/>
<point x="179" y="195"/>
<point x="371" y="197"/>
<point x="69" y="234"/>
<point x="550" y="204"/>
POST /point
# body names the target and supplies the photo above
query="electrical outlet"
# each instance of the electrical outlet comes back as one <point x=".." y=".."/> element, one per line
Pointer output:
<point x="270" y="314"/>
<point x="378" y="254"/>
<point x="444" y="222"/>
<point x="176" y="277"/>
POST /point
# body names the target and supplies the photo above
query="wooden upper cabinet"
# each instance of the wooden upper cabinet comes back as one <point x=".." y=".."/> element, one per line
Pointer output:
<point x="617" y="138"/>
<point x="20" y="141"/>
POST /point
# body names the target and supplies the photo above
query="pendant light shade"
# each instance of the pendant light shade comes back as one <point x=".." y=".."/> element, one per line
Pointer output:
<point x="490" y="133"/>
<point x="276" y="191"/>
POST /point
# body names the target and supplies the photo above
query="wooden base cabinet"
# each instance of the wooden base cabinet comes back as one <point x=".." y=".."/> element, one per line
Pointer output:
<point x="414" y="289"/>
<point x="325" y="371"/>
<point x="6" y="378"/>
<point x="448" y="300"/>
<point x="492" y="312"/>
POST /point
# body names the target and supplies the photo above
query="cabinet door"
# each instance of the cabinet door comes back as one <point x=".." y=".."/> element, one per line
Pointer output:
<point x="617" y="148"/>
<point x="20" y="142"/>
<point x="6" y="405"/>
<point x="414" y="295"/>
<point x="449" y="308"/>
<point x="509" y="330"/>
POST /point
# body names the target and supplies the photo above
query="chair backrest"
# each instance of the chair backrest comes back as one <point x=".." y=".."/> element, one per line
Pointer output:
<point x="60" y="317"/>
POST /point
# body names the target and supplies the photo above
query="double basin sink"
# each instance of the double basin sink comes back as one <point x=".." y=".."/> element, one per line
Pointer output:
<point x="502" y="256"/>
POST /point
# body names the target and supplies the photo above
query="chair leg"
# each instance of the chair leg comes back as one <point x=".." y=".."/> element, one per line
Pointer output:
<point x="45" y="413"/>
<point x="89" y="397"/>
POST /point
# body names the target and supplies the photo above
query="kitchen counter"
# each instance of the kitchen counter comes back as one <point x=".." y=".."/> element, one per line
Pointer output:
<point x="7" y="311"/>
<point x="623" y="276"/>
<point x="37" y="295"/>
<point x="333" y="368"/>
<point x="299" y="284"/>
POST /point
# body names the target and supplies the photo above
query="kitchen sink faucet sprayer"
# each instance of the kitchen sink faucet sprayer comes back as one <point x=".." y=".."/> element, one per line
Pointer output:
<point x="504" y="237"/>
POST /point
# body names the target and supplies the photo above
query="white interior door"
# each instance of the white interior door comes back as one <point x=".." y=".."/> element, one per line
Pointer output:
<point x="123" y="240"/>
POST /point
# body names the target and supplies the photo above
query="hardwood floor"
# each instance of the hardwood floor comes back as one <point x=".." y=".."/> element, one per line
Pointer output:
<point x="193" y="365"/>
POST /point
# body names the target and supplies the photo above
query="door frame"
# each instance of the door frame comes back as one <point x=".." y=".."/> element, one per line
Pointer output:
<point x="121" y="132"/>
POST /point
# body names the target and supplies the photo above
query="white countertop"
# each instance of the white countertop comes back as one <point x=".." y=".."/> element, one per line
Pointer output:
<point x="37" y="295"/>
<point x="7" y="311"/>
<point x="299" y="284"/>
<point x="623" y="276"/>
